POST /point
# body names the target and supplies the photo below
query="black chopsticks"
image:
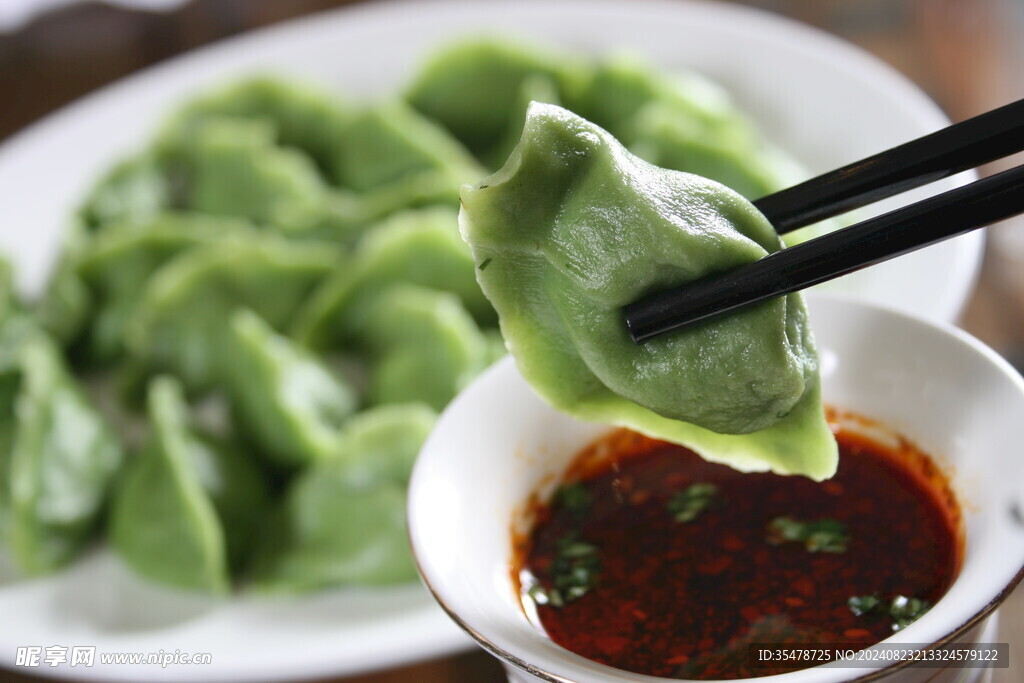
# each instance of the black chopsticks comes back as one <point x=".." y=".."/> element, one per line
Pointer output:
<point x="979" y="140"/>
<point x="991" y="136"/>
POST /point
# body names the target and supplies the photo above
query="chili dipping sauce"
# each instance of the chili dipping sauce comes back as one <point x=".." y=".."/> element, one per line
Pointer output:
<point x="652" y="560"/>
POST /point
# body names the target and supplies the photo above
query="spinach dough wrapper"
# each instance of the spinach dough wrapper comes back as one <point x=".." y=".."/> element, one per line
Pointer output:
<point x="283" y="395"/>
<point x="180" y="322"/>
<point x="58" y="458"/>
<point x="117" y="263"/>
<point x="573" y="228"/>
<point x="473" y="87"/>
<point x="304" y="116"/>
<point x="423" y="347"/>
<point x="342" y="520"/>
<point x="189" y="505"/>
<point x="417" y="247"/>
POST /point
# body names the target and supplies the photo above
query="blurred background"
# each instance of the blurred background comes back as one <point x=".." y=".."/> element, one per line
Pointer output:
<point x="966" y="55"/>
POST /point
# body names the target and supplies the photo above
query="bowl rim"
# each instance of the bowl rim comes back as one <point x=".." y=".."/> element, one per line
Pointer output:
<point x="507" y="657"/>
<point x="976" y="619"/>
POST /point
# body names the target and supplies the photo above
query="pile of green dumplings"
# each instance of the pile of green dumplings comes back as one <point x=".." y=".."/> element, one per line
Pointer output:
<point x="255" y="320"/>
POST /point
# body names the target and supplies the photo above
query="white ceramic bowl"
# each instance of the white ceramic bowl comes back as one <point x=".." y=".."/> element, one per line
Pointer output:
<point x="498" y="442"/>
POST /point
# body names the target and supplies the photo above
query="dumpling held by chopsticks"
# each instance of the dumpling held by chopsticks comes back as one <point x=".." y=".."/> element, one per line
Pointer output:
<point x="573" y="228"/>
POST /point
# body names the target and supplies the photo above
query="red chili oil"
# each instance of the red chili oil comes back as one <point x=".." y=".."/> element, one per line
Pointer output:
<point x="686" y="599"/>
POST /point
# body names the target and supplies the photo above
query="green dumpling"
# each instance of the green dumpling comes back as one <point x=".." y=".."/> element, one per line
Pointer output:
<point x="265" y="150"/>
<point x="181" y="321"/>
<point x="422" y="345"/>
<point x="302" y="115"/>
<point x="392" y="143"/>
<point x="379" y="445"/>
<point x="749" y="167"/>
<point x="332" y="532"/>
<point x="573" y="228"/>
<point x="136" y="189"/>
<point x="386" y="158"/>
<point x="342" y="521"/>
<point x="189" y="505"/>
<point x="58" y="458"/>
<point x="536" y="87"/>
<point x="118" y="262"/>
<point x="65" y="306"/>
<point x="621" y="87"/>
<point x="473" y="88"/>
<point x="684" y="122"/>
<point x="284" y="396"/>
<point x="420" y="247"/>
<point x="235" y="167"/>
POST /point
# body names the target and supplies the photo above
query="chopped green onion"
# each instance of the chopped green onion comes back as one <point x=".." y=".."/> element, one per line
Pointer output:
<point x="863" y="604"/>
<point x="573" y="497"/>
<point x="573" y="572"/>
<point x="821" y="536"/>
<point x="905" y="611"/>
<point x="902" y="610"/>
<point x="542" y="596"/>
<point x="688" y="504"/>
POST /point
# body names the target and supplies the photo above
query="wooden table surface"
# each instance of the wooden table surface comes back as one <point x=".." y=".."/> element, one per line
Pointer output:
<point x="965" y="54"/>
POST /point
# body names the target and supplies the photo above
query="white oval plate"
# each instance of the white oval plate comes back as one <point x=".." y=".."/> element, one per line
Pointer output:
<point x="825" y="101"/>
